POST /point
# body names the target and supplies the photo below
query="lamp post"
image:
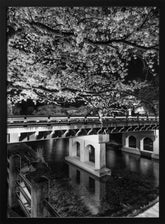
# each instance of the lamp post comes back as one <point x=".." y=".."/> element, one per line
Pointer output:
<point x="129" y="111"/>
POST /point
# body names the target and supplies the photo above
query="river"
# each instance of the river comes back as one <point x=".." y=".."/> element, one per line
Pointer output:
<point x="132" y="175"/>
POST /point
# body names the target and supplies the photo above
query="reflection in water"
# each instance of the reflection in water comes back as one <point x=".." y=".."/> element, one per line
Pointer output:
<point x="88" y="187"/>
<point x="54" y="152"/>
<point x="93" y="191"/>
<point x="155" y="169"/>
<point x="49" y="145"/>
<point x="134" y="163"/>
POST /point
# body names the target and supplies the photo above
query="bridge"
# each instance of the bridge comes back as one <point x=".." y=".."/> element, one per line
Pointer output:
<point x="88" y="136"/>
<point x="33" y="128"/>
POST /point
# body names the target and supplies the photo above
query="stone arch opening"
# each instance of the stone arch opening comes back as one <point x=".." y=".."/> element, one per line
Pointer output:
<point x="148" y="144"/>
<point x="132" y="142"/>
<point x="91" y="151"/>
<point x="77" y="149"/>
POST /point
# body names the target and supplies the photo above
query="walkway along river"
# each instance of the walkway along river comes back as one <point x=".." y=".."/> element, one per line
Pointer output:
<point x="133" y="183"/>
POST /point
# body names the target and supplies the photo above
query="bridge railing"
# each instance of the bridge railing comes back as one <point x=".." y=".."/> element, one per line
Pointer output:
<point x="76" y="119"/>
<point x="23" y="192"/>
<point x="24" y="198"/>
<point x="52" y="211"/>
<point x="23" y="206"/>
<point x="25" y="180"/>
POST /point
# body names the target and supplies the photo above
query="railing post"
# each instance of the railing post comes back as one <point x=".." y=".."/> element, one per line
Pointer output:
<point x="147" y="116"/>
<point x="68" y="119"/>
<point x="25" y="119"/>
<point x="39" y="192"/>
<point x="12" y="198"/>
<point x="129" y="112"/>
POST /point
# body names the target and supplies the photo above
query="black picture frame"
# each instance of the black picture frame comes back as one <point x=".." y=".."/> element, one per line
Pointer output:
<point x="3" y="107"/>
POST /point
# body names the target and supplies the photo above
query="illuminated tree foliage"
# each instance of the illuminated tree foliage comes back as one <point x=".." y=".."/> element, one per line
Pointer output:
<point x="64" y="54"/>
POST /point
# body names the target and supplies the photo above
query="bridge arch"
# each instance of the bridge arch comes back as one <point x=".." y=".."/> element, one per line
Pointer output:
<point x="91" y="152"/>
<point x="76" y="148"/>
<point x="148" y="144"/>
<point x="132" y="142"/>
<point x="77" y="145"/>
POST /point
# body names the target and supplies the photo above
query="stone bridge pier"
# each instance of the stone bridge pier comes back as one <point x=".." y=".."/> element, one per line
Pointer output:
<point x="141" y="142"/>
<point x="89" y="153"/>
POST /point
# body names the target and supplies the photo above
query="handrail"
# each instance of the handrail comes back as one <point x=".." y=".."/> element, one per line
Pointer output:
<point x="50" y="209"/>
<point x="28" y="199"/>
<point x="47" y="205"/>
<point x="27" y="213"/>
<point x="26" y="181"/>
<point x="61" y="119"/>
<point x="76" y="116"/>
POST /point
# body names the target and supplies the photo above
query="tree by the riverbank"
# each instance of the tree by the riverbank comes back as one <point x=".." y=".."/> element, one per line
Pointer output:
<point x="64" y="54"/>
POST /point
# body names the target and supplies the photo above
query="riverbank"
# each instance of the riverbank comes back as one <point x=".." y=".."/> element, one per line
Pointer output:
<point x="152" y="212"/>
<point x="149" y="210"/>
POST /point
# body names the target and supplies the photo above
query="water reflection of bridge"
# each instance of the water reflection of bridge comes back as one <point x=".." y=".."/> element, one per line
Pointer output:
<point x="89" y="187"/>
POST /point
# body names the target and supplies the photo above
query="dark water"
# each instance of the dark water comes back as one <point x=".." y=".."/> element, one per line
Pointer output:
<point x="94" y="192"/>
<point x="117" y="160"/>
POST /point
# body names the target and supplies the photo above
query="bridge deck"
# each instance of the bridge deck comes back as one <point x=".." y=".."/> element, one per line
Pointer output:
<point x="34" y="128"/>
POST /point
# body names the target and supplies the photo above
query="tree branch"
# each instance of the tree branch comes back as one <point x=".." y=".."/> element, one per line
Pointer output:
<point x="122" y="41"/>
<point x="49" y="29"/>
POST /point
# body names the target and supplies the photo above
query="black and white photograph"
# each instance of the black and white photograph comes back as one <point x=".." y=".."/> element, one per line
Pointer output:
<point x="82" y="111"/>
